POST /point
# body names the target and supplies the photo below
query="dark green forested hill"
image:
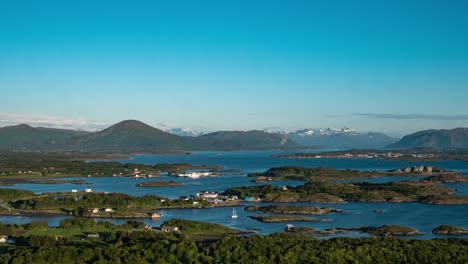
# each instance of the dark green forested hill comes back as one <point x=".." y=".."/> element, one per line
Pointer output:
<point x="130" y="135"/>
<point x="437" y="139"/>
<point x="27" y="137"/>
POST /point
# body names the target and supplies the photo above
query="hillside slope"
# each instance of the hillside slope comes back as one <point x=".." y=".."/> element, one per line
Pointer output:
<point x="456" y="138"/>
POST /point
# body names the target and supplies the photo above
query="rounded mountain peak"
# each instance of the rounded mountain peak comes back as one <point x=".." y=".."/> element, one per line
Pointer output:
<point x="131" y="123"/>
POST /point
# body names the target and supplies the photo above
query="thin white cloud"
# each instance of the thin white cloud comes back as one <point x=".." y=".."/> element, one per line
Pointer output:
<point x="413" y="116"/>
<point x="165" y="126"/>
<point x="38" y="120"/>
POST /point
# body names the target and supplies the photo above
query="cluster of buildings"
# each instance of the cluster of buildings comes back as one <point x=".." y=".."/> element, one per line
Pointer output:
<point x="136" y="173"/>
<point x="97" y="210"/>
<point x="215" y="197"/>
<point x="195" y="174"/>
<point x="373" y="155"/>
<point x="163" y="228"/>
<point x="5" y="239"/>
<point x="86" y="190"/>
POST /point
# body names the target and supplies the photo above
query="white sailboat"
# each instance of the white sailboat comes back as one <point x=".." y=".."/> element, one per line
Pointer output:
<point x="234" y="214"/>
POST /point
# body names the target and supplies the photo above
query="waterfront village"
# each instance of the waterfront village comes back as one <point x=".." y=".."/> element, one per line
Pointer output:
<point x="136" y="173"/>
<point x="371" y="155"/>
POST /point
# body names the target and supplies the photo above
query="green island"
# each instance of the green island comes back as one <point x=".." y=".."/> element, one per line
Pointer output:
<point x="329" y="174"/>
<point x="449" y="230"/>
<point x="286" y="218"/>
<point x="321" y="186"/>
<point x="85" y="241"/>
<point x="40" y="167"/>
<point x="334" y="192"/>
<point x="114" y="205"/>
<point x="318" y="174"/>
<point x="282" y="209"/>
<point x="159" y="184"/>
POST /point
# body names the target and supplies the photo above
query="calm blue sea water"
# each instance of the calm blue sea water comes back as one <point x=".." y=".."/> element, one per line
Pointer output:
<point x="423" y="217"/>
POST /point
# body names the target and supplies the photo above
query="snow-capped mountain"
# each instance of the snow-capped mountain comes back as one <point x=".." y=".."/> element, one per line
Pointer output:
<point x="273" y="131"/>
<point x="184" y="132"/>
<point x="344" y="138"/>
<point x="323" y="132"/>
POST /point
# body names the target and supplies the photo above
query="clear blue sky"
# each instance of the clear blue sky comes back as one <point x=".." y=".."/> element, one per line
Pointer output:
<point x="393" y="66"/>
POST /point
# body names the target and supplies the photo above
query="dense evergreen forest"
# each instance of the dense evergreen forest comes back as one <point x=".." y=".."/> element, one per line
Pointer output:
<point x="152" y="247"/>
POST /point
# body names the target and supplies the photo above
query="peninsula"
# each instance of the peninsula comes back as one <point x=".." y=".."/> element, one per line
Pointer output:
<point x="414" y="155"/>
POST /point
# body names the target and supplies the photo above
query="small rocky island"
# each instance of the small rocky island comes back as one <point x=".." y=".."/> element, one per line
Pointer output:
<point x="286" y="218"/>
<point x="282" y="209"/>
<point x="420" y="169"/>
<point x="160" y="184"/>
<point x="386" y="230"/>
<point x="449" y="230"/>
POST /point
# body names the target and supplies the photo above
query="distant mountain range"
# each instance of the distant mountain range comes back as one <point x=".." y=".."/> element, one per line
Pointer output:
<point x="344" y="138"/>
<point x="135" y="136"/>
<point x="437" y="139"/>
